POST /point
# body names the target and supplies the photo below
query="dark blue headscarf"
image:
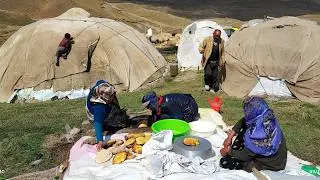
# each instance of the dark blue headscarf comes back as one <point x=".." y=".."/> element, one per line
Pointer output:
<point x="152" y="99"/>
<point x="264" y="134"/>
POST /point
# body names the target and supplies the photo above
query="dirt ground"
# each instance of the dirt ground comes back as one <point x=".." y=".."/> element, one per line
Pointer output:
<point x="15" y="14"/>
<point x="161" y="16"/>
<point x="243" y="9"/>
<point x="43" y="175"/>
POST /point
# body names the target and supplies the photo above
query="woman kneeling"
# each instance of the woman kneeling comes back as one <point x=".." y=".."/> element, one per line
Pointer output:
<point x="260" y="142"/>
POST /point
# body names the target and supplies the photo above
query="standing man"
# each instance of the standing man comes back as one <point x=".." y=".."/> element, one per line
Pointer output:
<point x="64" y="47"/>
<point x="212" y="60"/>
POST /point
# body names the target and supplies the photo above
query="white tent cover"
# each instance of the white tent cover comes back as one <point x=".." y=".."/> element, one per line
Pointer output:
<point x="188" y="50"/>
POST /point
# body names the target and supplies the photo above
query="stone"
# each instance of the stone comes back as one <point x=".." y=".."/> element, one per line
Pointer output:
<point x="53" y="140"/>
<point x="86" y="125"/>
<point x="68" y="138"/>
<point x="91" y="141"/>
<point x="164" y="43"/>
<point x="54" y="98"/>
<point x="74" y="131"/>
<point x="173" y="41"/>
<point x="174" y="70"/>
<point x="85" y="122"/>
<point x="178" y="35"/>
<point x="91" y="132"/>
<point x="154" y="39"/>
<point x="164" y="37"/>
<point x="67" y="128"/>
<point x="65" y="98"/>
<point x="36" y="162"/>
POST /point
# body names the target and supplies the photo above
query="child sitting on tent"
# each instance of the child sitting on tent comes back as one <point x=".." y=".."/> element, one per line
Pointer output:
<point x="171" y="106"/>
<point x="64" y="47"/>
<point x="260" y="142"/>
<point x="103" y="109"/>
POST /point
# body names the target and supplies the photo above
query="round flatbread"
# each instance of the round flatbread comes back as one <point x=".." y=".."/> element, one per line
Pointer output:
<point x="129" y="142"/>
<point x="130" y="156"/>
<point x="191" y="141"/>
<point x="103" y="156"/>
<point x="119" y="158"/>
<point x="137" y="149"/>
<point x="111" y="142"/>
<point x="140" y="140"/>
<point x="134" y="135"/>
<point x="142" y="126"/>
<point x="147" y="137"/>
<point x="118" y="143"/>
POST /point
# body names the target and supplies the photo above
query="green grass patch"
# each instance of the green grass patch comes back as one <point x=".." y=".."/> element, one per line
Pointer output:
<point x="24" y="126"/>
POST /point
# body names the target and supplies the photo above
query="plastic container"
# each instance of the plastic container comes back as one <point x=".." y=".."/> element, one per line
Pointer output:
<point x="314" y="170"/>
<point x="216" y="103"/>
<point x="202" y="128"/>
<point x="178" y="127"/>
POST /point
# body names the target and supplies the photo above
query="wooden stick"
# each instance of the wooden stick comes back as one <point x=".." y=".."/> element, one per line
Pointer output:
<point x="258" y="174"/>
<point x="146" y="112"/>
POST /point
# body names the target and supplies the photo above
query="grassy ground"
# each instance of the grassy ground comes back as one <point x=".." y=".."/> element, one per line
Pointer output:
<point x="24" y="126"/>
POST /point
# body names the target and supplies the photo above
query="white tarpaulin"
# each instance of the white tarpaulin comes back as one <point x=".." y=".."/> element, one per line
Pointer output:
<point x="188" y="50"/>
<point x="157" y="162"/>
<point x="47" y="94"/>
<point x="271" y="87"/>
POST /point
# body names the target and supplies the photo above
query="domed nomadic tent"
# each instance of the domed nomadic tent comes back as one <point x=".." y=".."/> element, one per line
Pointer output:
<point x="103" y="49"/>
<point x="188" y="50"/>
<point x="275" y="57"/>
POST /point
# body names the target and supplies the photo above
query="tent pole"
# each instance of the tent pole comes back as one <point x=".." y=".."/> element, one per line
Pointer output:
<point x="201" y="77"/>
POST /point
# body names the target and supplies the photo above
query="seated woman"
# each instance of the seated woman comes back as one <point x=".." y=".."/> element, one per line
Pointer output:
<point x="171" y="106"/>
<point x="104" y="111"/>
<point x="260" y="142"/>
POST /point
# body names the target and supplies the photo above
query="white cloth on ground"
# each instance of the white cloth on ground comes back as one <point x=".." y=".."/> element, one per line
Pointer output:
<point x="159" y="142"/>
<point x="86" y="168"/>
<point x="157" y="160"/>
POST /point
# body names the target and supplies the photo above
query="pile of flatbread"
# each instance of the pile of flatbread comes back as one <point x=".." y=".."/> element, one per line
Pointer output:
<point x="123" y="150"/>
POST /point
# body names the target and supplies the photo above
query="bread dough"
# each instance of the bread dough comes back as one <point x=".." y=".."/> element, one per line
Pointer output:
<point x="103" y="156"/>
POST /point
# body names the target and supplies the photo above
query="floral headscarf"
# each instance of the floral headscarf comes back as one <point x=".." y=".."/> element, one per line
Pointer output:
<point x="103" y="93"/>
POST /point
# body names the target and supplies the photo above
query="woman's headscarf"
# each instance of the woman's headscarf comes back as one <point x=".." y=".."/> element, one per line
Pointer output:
<point x="150" y="101"/>
<point x="263" y="135"/>
<point x="103" y="92"/>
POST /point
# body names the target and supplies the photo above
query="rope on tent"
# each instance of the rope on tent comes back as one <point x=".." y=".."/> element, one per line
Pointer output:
<point x="257" y="76"/>
<point x="129" y="41"/>
<point x="109" y="63"/>
<point x="154" y="63"/>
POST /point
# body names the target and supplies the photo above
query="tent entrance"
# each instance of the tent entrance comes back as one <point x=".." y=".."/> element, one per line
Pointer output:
<point x="91" y="49"/>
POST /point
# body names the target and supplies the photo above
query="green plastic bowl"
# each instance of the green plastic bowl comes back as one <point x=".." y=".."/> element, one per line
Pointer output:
<point x="178" y="127"/>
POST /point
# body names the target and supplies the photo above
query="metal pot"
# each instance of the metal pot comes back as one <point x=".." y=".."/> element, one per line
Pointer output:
<point x="203" y="150"/>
